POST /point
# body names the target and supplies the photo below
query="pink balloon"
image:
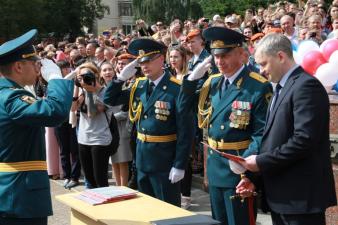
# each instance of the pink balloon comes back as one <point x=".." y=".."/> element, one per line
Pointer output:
<point x="329" y="47"/>
<point x="312" y="60"/>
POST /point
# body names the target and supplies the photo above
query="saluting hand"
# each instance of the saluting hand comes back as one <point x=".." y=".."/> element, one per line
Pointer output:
<point x="128" y="71"/>
<point x="50" y="70"/>
<point x="200" y="69"/>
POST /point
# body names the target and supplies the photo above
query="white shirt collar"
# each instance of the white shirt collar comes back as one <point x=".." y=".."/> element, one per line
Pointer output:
<point x="233" y="77"/>
<point x="157" y="81"/>
<point x="282" y="82"/>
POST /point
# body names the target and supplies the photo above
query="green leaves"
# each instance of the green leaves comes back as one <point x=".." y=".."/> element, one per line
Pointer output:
<point x="59" y="16"/>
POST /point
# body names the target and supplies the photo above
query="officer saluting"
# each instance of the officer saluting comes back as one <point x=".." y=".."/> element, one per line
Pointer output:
<point x="232" y="106"/>
<point x="24" y="184"/>
<point x="163" y="118"/>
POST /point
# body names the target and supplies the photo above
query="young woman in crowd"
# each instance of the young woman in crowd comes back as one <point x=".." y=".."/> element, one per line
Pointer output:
<point x="123" y="155"/>
<point x="94" y="136"/>
<point x="177" y="56"/>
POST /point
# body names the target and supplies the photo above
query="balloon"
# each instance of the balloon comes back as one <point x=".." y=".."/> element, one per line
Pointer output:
<point x="306" y="46"/>
<point x="294" y="45"/>
<point x="334" y="58"/>
<point x="327" y="74"/>
<point x="296" y="57"/>
<point x="328" y="47"/>
<point x="312" y="60"/>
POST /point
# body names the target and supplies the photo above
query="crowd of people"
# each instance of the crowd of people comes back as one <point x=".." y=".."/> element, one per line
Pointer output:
<point x="146" y="101"/>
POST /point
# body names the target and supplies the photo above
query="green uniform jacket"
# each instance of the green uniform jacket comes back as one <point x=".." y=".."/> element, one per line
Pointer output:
<point x="249" y="90"/>
<point x="168" y="111"/>
<point x="22" y="127"/>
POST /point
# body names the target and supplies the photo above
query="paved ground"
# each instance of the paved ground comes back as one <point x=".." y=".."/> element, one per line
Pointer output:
<point x="200" y="204"/>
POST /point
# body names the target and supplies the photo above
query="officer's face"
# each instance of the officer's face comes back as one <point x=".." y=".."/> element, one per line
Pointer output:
<point x="270" y="66"/>
<point x="228" y="63"/>
<point x="30" y="69"/>
<point x="153" y="68"/>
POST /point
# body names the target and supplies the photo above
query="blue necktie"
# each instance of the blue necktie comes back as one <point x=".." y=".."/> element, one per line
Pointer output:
<point x="275" y="96"/>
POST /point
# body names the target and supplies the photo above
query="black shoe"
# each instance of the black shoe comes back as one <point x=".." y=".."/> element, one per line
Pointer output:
<point x="72" y="183"/>
<point x="132" y="182"/>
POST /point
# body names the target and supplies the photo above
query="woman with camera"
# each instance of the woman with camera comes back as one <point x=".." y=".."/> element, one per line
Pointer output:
<point x="94" y="135"/>
<point x="123" y="155"/>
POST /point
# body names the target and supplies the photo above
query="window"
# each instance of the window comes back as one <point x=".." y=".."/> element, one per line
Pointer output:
<point x="127" y="29"/>
<point x="125" y="9"/>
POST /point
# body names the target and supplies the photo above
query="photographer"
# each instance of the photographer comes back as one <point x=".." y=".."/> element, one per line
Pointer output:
<point x="94" y="136"/>
<point x="143" y="28"/>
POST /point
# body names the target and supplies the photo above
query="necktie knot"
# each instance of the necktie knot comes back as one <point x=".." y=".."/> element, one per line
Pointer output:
<point x="278" y="87"/>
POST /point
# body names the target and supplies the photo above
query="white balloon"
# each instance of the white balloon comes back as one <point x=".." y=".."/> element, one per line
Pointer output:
<point x="334" y="57"/>
<point x="306" y="46"/>
<point x="327" y="74"/>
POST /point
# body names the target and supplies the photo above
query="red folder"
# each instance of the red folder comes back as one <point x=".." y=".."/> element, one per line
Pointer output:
<point x="226" y="155"/>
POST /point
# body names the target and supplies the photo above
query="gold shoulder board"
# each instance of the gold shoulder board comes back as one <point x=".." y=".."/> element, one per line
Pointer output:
<point x="258" y="77"/>
<point x="28" y="99"/>
<point x="215" y="75"/>
<point x="175" y="80"/>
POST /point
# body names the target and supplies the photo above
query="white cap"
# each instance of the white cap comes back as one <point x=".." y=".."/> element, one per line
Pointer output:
<point x="216" y="17"/>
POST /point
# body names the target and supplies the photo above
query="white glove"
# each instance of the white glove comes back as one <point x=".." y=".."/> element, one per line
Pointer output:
<point x="236" y="167"/>
<point x="50" y="70"/>
<point x="176" y="175"/>
<point x="71" y="75"/>
<point x="128" y="71"/>
<point x="200" y="69"/>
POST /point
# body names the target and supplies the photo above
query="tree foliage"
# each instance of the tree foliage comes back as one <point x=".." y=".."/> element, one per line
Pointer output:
<point x="225" y="7"/>
<point x="58" y="16"/>
<point x="166" y="10"/>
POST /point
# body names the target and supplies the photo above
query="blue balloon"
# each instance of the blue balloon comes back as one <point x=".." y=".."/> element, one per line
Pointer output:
<point x="294" y="46"/>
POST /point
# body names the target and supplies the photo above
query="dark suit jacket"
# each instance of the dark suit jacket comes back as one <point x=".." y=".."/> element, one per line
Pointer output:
<point x="295" y="158"/>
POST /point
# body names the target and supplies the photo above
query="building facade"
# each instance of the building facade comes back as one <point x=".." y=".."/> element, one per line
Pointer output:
<point x="120" y="16"/>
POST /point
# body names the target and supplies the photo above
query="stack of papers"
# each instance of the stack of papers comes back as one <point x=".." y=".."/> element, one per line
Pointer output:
<point x="104" y="195"/>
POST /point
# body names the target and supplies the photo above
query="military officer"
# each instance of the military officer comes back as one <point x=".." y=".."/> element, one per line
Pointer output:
<point x="163" y="118"/>
<point x="232" y="106"/>
<point x="24" y="184"/>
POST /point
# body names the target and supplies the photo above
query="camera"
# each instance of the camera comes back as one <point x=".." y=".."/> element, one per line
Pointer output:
<point x="88" y="78"/>
<point x="312" y="34"/>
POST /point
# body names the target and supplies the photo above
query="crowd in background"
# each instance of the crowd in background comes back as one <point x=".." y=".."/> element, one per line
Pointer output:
<point x="84" y="140"/>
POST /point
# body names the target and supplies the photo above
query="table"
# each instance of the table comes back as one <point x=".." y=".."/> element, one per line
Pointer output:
<point x="136" y="211"/>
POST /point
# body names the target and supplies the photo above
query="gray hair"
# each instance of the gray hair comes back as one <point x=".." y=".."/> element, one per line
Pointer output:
<point x="273" y="43"/>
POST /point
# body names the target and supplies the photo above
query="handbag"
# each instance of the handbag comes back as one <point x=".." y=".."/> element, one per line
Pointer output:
<point x="113" y="127"/>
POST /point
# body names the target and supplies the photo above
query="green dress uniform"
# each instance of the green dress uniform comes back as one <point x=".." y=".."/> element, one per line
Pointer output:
<point x="24" y="182"/>
<point x="164" y="128"/>
<point x="234" y="118"/>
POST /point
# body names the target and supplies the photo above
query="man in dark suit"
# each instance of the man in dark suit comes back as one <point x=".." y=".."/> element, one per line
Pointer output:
<point x="294" y="159"/>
